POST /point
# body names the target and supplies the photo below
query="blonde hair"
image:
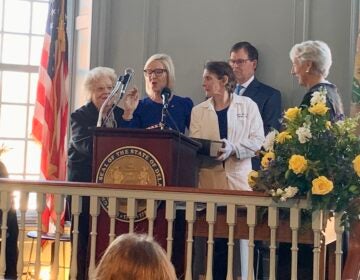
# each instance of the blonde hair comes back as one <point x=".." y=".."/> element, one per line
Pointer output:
<point x="134" y="257"/>
<point x="95" y="75"/>
<point x="168" y="64"/>
<point x="317" y="52"/>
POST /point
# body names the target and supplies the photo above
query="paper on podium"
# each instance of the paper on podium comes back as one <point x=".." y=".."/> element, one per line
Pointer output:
<point x="209" y="147"/>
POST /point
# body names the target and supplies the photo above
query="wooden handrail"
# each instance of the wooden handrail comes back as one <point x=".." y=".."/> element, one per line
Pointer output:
<point x="66" y="184"/>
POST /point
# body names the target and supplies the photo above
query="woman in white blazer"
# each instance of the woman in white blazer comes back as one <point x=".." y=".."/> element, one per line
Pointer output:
<point x="236" y="121"/>
<point x="233" y="119"/>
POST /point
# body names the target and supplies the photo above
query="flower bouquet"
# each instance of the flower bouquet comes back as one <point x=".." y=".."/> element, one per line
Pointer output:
<point x="313" y="157"/>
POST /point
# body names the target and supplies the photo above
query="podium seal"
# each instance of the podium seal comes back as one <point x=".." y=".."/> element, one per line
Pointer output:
<point x="134" y="166"/>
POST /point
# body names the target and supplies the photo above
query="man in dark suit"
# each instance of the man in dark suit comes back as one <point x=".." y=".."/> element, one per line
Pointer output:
<point x="243" y="60"/>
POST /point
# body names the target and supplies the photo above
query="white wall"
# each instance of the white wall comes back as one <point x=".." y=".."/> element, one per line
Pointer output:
<point x="194" y="31"/>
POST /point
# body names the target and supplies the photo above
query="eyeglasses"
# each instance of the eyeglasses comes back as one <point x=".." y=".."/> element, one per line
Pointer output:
<point x="158" y="72"/>
<point x="238" y="61"/>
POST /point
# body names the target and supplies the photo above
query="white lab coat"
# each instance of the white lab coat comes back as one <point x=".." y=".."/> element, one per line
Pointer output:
<point x="245" y="132"/>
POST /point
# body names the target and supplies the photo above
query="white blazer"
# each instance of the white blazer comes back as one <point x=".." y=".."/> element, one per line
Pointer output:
<point x="245" y="131"/>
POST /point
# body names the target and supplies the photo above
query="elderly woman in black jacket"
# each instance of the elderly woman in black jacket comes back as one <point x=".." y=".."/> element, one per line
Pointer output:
<point x="98" y="84"/>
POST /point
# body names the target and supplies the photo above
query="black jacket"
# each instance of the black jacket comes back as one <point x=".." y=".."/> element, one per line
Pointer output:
<point x="333" y="100"/>
<point x="80" y="151"/>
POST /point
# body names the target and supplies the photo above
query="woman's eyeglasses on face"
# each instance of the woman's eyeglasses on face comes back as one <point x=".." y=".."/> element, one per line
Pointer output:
<point x="158" y="72"/>
<point x="238" y="61"/>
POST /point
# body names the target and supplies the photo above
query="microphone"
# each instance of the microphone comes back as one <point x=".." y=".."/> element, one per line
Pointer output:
<point x="125" y="81"/>
<point x="165" y="95"/>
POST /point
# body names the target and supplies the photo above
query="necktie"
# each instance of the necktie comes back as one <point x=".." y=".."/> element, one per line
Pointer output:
<point x="238" y="89"/>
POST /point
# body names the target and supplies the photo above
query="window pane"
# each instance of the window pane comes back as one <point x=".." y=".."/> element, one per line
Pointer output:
<point x="33" y="86"/>
<point x="32" y="200"/>
<point x="12" y="121"/>
<point x="30" y="117"/>
<point x="1" y="13"/>
<point x="17" y="177"/>
<point x="33" y="158"/>
<point x="14" y="159"/>
<point x="15" y="49"/>
<point x="15" y="87"/>
<point x="36" y="47"/>
<point x="17" y="16"/>
<point x="39" y="17"/>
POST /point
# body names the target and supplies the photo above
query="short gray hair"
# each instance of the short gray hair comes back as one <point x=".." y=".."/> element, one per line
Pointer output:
<point x="168" y="64"/>
<point x="96" y="74"/>
<point x="317" y="52"/>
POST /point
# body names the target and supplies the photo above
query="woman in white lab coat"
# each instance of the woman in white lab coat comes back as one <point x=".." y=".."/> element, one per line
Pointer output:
<point x="236" y="121"/>
<point x="233" y="119"/>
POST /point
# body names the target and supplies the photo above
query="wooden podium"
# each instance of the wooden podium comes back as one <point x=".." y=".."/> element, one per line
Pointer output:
<point x="175" y="152"/>
<point x="142" y="157"/>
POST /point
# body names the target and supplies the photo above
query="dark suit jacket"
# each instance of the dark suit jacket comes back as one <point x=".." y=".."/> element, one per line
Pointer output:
<point x="268" y="100"/>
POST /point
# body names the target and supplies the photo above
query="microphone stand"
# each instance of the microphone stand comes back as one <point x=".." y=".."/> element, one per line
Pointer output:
<point x="164" y="112"/>
<point x="124" y="82"/>
<point x="111" y="95"/>
<point x="120" y="96"/>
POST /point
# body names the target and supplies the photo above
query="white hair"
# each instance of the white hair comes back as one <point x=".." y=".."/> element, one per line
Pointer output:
<point x="317" y="52"/>
<point x="96" y="74"/>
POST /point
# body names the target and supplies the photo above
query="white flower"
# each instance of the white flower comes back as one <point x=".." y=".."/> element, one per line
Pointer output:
<point x="290" y="192"/>
<point x="270" y="140"/>
<point x="318" y="97"/>
<point x="340" y="124"/>
<point x="284" y="194"/>
<point x="279" y="192"/>
<point x="304" y="133"/>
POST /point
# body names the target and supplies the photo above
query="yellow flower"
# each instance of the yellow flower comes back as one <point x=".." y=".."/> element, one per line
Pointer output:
<point x="328" y="125"/>
<point x="321" y="185"/>
<point x="282" y="137"/>
<point x="252" y="178"/>
<point x="292" y="113"/>
<point x="269" y="156"/>
<point x="318" y="109"/>
<point x="356" y="165"/>
<point x="298" y="164"/>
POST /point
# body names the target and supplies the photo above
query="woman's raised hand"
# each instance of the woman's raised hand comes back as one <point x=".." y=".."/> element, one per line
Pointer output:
<point x="131" y="101"/>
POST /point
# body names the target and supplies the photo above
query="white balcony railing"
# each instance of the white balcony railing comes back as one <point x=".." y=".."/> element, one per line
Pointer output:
<point x="239" y="206"/>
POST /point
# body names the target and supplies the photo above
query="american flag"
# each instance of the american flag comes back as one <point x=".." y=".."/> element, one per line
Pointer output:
<point x="49" y="125"/>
